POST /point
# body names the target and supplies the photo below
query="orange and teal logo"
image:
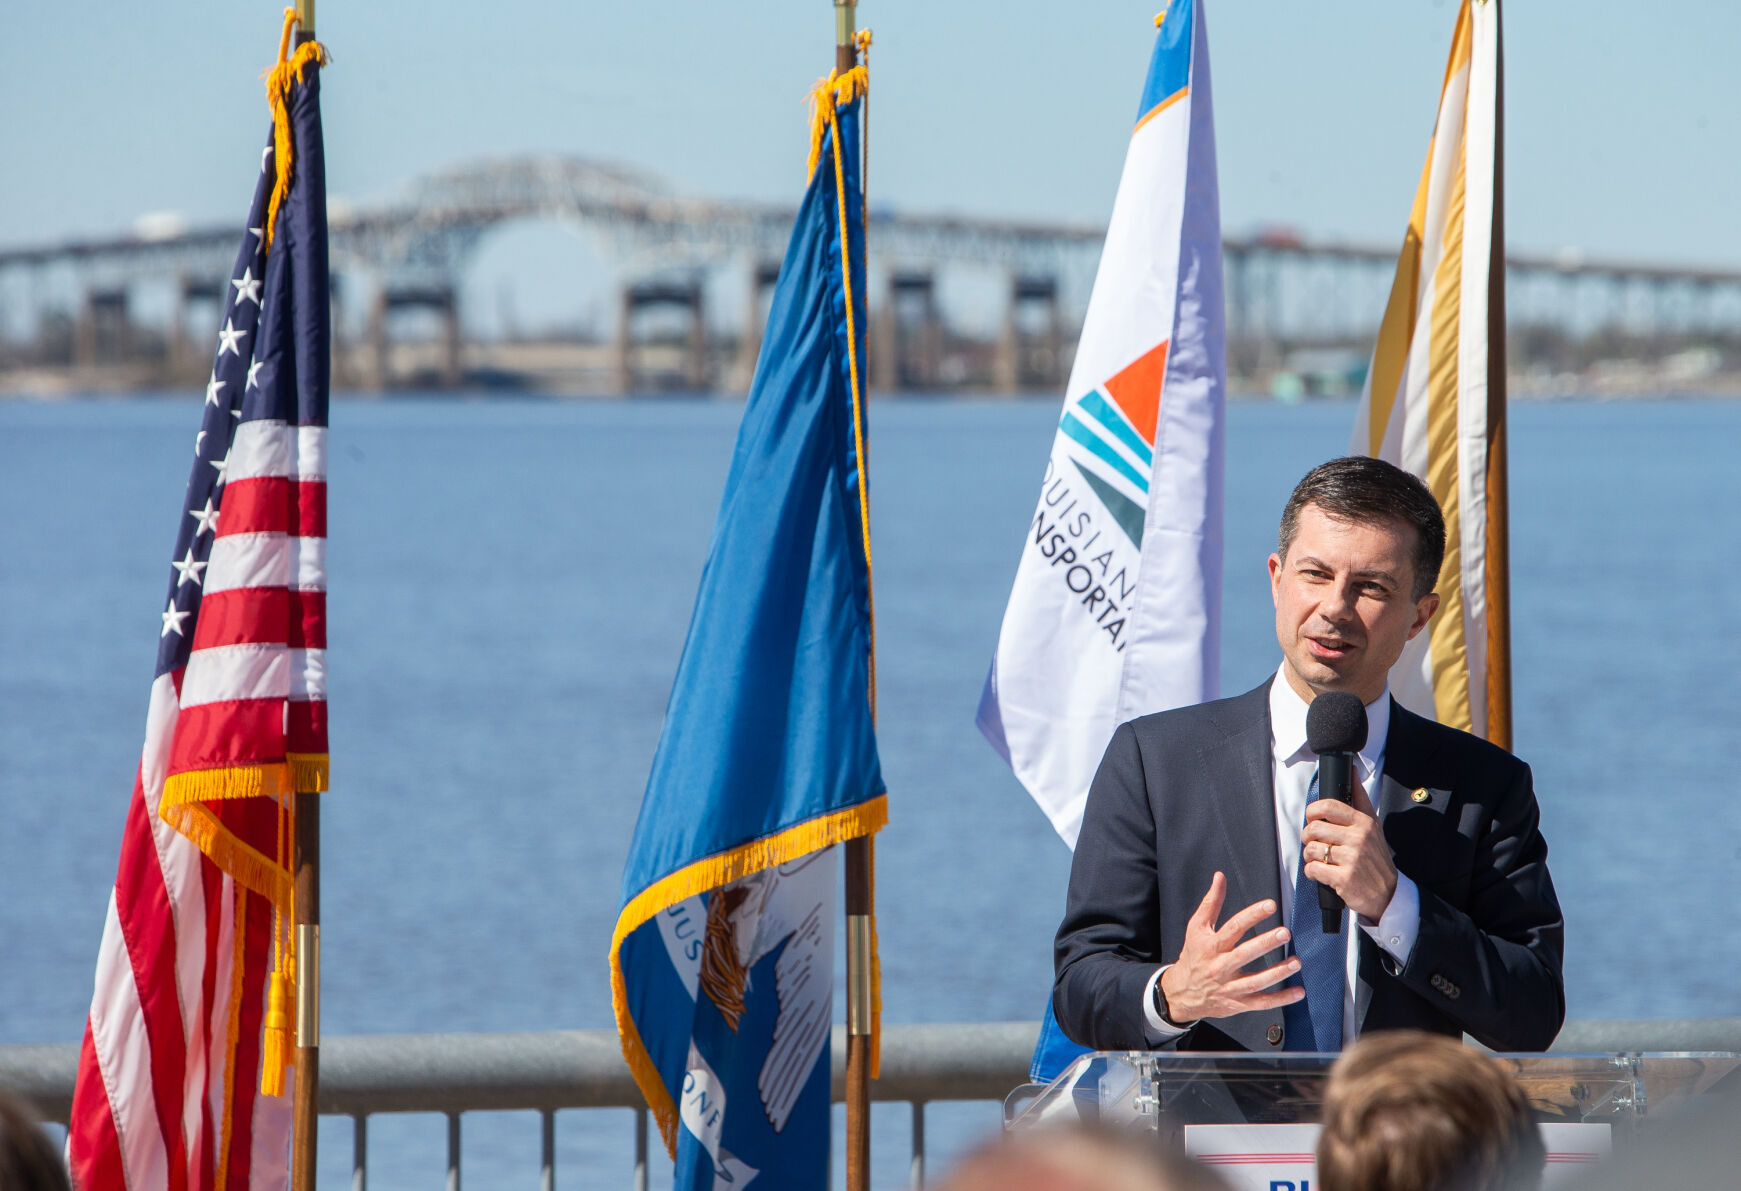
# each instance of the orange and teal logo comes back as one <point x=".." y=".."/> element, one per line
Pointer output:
<point x="1113" y="429"/>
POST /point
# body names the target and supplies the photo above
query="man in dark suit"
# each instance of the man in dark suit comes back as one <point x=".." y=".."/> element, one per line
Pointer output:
<point x="1452" y="922"/>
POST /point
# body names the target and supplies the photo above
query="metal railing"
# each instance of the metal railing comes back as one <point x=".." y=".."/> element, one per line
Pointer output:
<point x="453" y="1074"/>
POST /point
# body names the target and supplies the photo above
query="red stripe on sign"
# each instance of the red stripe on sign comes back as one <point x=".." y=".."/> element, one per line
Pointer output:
<point x="261" y="504"/>
<point x="230" y="732"/>
<point x="307" y="731"/>
<point x="310" y="503"/>
<point x="93" y="1146"/>
<point x="142" y="905"/>
<point x="307" y="620"/>
<point x="243" y="616"/>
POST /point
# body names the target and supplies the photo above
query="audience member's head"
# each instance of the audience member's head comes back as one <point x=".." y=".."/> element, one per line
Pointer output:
<point x="27" y="1158"/>
<point x="1078" y="1159"/>
<point x="1408" y="1111"/>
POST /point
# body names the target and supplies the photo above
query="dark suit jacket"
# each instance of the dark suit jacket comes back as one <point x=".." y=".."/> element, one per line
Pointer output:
<point x="1185" y="793"/>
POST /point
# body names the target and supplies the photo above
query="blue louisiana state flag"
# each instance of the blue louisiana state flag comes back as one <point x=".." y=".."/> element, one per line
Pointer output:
<point x="723" y="955"/>
<point x="1115" y="609"/>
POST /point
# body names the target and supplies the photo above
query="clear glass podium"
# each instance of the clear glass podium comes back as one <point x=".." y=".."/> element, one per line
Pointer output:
<point x="1255" y="1117"/>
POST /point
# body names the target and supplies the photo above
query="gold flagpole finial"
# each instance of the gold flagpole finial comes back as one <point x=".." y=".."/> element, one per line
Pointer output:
<point x="845" y="23"/>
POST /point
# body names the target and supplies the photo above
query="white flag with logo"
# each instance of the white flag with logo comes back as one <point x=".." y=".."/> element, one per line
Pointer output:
<point x="1115" y="611"/>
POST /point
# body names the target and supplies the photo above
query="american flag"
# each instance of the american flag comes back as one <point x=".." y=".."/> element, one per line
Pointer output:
<point x="169" y="1093"/>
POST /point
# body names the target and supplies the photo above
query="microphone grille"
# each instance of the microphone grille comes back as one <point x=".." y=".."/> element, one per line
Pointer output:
<point x="1336" y="723"/>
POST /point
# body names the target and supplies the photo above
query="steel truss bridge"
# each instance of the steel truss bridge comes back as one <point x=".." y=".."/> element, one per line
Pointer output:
<point x="1285" y="295"/>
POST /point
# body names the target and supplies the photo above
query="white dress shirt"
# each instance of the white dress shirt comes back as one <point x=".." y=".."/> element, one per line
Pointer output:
<point x="1293" y="766"/>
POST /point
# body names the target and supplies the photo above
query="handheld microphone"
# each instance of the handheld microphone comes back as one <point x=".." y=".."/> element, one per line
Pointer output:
<point x="1336" y="731"/>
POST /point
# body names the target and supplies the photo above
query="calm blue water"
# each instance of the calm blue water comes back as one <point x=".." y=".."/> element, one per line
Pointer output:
<point x="510" y="585"/>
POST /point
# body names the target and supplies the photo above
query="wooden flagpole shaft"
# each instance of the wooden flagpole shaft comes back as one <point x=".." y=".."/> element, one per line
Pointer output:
<point x="860" y="1022"/>
<point x="304" y="1121"/>
<point x="1498" y="496"/>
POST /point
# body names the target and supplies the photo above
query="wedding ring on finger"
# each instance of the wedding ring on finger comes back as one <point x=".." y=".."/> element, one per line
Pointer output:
<point x="1328" y="848"/>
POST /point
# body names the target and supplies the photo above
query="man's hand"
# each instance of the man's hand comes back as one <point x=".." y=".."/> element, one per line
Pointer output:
<point x="1209" y="977"/>
<point x="1344" y="849"/>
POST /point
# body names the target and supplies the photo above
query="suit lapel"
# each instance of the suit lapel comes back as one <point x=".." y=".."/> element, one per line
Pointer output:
<point x="1402" y="746"/>
<point x="1239" y="773"/>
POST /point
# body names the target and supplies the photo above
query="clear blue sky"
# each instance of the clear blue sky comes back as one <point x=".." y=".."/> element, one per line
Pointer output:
<point x="1621" y="123"/>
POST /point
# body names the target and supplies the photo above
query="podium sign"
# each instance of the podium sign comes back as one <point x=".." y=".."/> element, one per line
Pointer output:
<point x="1280" y="1157"/>
<point x="1255" y="1117"/>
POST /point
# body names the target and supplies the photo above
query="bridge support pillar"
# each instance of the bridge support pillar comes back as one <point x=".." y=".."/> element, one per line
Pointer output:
<point x="1030" y="359"/>
<point x="189" y="358"/>
<point x="692" y="372"/>
<point x="104" y="333"/>
<point x="762" y="279"/>
<point x="377" y="374"/>
<point x="440" y="298"/>
<point x="907" y="334"/>
<point x="337" y="345"/>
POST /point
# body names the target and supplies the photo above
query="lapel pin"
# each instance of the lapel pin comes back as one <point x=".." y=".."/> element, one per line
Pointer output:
<point x="1421" y="795"/>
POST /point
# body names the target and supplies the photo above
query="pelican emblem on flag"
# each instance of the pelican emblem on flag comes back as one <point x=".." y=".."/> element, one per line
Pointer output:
<point x="780" y="909"/>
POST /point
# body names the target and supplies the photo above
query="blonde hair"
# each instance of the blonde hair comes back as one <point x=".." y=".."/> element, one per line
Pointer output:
<point x="1411" y="1111"/>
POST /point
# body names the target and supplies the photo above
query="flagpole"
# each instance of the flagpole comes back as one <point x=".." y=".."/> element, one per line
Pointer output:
<point x="860" y="1023"/>
<point x="1498" y="504"/>
<point x="305" y="1106"/>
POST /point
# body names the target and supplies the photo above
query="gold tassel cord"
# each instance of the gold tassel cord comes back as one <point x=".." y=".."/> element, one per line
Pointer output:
<point x="278" y="80"/>
<point x="277" y="1054"/>
<point x="233" y="1031"/>
<point x="862" y="42"/>
<point x="826" y="98"/>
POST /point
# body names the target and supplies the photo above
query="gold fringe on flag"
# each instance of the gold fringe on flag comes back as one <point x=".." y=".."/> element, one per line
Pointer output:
<point x="278" y="80"/>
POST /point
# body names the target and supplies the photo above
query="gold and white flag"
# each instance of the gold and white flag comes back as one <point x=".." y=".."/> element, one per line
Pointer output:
<point x="1435" y="394"/>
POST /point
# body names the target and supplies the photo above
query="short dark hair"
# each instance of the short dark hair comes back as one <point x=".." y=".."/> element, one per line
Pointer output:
<point x="1361" y="489"/>
<point x="1412" y="1111"/>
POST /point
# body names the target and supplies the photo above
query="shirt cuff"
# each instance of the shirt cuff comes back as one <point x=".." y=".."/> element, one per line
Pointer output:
<point x="1159" y="1028"/>
<point x="1397" y="927"/>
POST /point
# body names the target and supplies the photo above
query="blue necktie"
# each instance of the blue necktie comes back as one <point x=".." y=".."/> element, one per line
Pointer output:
<point x="1316" y="1022"/>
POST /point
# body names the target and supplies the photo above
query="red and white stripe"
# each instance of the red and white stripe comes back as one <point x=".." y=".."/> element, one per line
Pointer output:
<point x="163" y="1102"/>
